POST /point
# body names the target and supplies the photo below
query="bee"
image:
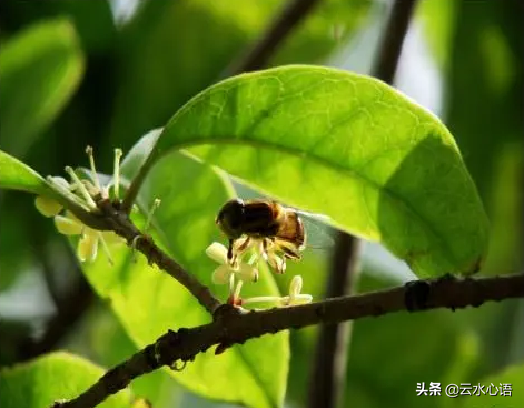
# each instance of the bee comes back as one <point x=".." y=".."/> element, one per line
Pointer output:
<point x="278" y="228"/>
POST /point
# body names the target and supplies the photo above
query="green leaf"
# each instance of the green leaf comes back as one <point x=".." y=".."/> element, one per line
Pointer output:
<point x="41" y="382"/>
<point x="165" y="40"/>
<point x="513" y="376"/>
<point x="348" y="146"/>
<point x="148" y="302"/>
<point x="15" y="175"/>
<point x="39" y="71"/>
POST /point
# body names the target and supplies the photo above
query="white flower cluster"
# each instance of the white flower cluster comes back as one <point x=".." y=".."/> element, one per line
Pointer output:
<point x="238" y="272"/>
<point x="85" y="191"/>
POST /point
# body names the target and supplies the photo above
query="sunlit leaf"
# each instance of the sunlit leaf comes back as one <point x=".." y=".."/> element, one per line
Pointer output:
<point x="347" y="146"/>
<point x="39" y="383"/>
<point x="39" y="70"/>
<point x="148" y="302"/>
<point x="15" y="175"/>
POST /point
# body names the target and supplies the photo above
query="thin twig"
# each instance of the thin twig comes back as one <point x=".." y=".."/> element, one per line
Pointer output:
<point x="328" y="375"/>
<point x="136" y="183"/>
<point x="232" y="327"/>
<point x="257" y="57"/>
<point x="119" y="222"/>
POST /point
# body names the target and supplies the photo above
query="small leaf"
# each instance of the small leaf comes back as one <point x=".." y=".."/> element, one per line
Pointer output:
<point x="348" y="146"/>
<point x="148" y="302"/>
<point x="39" y="70"/>
<point x="39" y="383"/>
<point x="15" y="175"/>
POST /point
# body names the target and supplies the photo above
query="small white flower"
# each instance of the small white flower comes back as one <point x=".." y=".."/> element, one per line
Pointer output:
<point x="88" y="244"/>
<point x="244" y="271"/>
<point x="295" y="297"/>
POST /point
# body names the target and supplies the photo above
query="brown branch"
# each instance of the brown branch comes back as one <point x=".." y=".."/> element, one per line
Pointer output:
<point x="119" y="222"/>
<point x="257" y="57"/>
<point x="233" y="327"/>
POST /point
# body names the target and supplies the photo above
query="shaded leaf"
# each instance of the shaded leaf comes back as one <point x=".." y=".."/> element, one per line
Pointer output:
<point x="41" y="382"/>
<point x="513" y="376"/>
<point x="39" y="70"/>
<point x="148" y="302"/>
<point x="347" y="146"/>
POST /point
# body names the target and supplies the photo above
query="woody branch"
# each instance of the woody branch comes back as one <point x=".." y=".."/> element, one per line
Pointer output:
<point x="234" y="327"/>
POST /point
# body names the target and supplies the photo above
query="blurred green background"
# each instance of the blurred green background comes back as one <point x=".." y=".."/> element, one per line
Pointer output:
<point x="104" y="73"/>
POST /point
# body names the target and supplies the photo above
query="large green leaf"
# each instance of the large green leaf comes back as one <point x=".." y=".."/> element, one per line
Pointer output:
<point x="51" y="377"/>
<point x="166" y="44"/>
<point x="348" y="146"/>
<point x="39" y="70"/>
<point x="148" y="302"/>
<point x="15" y="175"/>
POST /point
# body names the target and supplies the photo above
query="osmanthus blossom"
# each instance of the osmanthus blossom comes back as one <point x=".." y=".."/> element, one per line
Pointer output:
<point x="237" y="272"/>
<point x="85" y="191"/>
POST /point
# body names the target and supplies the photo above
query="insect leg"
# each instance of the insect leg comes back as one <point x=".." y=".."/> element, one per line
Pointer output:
<point x="243" y="245"/>
<point x="291" y="254"/>
<point x="230" y="250"/>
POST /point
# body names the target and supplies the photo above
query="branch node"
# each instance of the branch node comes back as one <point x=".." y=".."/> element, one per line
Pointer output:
<point x="416" y="295"/>
<point x="225" y="311"/>
<point x="176" y="367"/>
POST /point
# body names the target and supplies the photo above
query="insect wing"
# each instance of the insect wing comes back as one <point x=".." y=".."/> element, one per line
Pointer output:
<point x="320" y="235"/>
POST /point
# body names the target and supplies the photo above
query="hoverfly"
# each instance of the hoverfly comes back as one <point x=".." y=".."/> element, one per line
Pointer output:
<point x="279" y="229"/>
